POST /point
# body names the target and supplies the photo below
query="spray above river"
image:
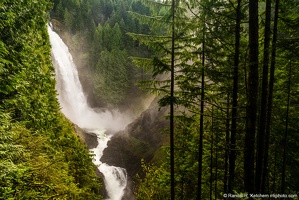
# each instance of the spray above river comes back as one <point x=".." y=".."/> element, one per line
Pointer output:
<point x="74" y="105"/>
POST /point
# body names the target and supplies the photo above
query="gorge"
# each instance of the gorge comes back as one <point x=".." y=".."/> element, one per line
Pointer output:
<point x="118" y="140"/>
<point x="75" y="107"/>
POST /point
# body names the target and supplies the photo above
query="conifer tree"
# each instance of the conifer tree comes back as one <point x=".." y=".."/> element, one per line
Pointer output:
<point x="263" y="112"/>
<point x="222" y="50"/>
<point x="285" y="138"/>
<point x="270" y="96"/>
<point x="232" y="158"/>
<point x="251" y="109"/>
<point x="172" y="101"/>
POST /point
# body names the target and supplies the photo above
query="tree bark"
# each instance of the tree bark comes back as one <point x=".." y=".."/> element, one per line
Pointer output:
<point x="286" y="135"/>
<point x="226" y="175"/>
<point x="270" y="97"/>
<point x="232" y="157"/>
<point x="216" y="165"/>
<point x="211" y="156"/>
<point x="201" y="130"/>
<point x="252" y="97"/>
<point x="172" y="187"/>
<point x="263" y="112"/>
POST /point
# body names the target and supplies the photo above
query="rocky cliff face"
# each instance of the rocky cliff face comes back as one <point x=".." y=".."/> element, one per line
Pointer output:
<point x="141" y="139"/>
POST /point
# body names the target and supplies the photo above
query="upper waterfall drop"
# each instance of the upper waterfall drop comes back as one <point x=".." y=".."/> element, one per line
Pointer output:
<point x="75" y="107"/>
<point x="70" y="93"/>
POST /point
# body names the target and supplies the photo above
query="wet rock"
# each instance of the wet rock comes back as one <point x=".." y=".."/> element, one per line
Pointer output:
<point x="140" y="140"/>
<point x="89" y="138"/>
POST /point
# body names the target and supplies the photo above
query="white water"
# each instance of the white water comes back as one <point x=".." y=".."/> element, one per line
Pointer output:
<point x="75" y="107"/>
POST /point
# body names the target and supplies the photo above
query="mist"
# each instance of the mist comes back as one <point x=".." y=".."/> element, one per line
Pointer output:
<point x="74" y="105"/>
<point x="72" y="100"/>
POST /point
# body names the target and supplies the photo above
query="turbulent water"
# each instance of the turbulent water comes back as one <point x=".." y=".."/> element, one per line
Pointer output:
<point x="74" y="105"/>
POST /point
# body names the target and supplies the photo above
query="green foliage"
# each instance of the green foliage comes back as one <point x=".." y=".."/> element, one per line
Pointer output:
<point x="111" y="79"/>
<point x="211" y="22"/>
<point x="10" y="155"/>
<point x="100" y="25"/>
<point x="40" y="155"/>
<point x="155" y="184"/>
<point x="215" y="21"/>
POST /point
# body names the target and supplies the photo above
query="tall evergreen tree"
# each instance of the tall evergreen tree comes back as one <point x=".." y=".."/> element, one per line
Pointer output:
<point x="285" y="137"/>
<point x="261" y="134"/>
<point x="270" y="96"/>
<point x="232" y="157"/>
<point x="252" y="97"/>
<point x="172" y="101"/>
<point x="221" y="50"/>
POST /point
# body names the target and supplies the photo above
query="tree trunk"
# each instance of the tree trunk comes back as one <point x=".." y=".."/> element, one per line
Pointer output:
<point x="252" y="97"/>
<point x="232" y="157"/>
<point x="216" y="165"/>
<point x="226" y="145"/>
<point x="211" y="156"/>
<point x="263" y="112"/>
<point x="286" y="135"/>
<point x="200" y="150"/>
<point x="172" y="187"/>
<point x="270" y="97"/>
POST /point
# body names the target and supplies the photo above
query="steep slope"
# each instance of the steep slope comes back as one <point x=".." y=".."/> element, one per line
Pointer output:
<point x="40" y="154"/>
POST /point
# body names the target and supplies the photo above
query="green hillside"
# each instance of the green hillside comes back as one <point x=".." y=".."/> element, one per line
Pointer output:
<point x="40" y="155"/>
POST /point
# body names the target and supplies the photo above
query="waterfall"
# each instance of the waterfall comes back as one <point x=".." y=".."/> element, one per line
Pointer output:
<point x="75" y="107"/>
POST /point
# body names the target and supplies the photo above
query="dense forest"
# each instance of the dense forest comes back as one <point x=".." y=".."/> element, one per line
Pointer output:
<point x="41" y="157"/>
<point x="232" y="90"/>
<point x="226" y="69"/>
<point x="98" y="32"/>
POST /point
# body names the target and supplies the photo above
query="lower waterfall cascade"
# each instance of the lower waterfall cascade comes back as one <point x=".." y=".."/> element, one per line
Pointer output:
<point x="74" y="106"/>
